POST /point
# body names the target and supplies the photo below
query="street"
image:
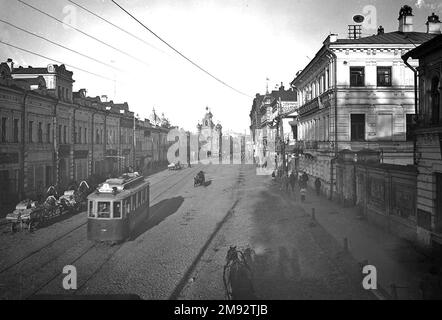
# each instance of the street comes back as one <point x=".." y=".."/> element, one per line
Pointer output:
<point x="179" y="252"/>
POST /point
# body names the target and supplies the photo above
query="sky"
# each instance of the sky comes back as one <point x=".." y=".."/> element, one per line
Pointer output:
<point x="241" y="42"/>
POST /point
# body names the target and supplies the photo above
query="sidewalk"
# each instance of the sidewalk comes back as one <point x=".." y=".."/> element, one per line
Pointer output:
<point x="397" y="261"/>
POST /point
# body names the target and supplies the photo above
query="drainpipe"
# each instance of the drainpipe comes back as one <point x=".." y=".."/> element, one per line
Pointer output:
<point x="405" y="59"/>
<point x="333" y="161"/>
<point x="74" y="136"/>
<point x="55" y="144"/>
<point x="92" y="142"/>
<point x="23" y="147"/>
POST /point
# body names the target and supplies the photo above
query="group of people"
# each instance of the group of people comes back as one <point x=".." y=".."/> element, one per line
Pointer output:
<point x="289" y="181"/>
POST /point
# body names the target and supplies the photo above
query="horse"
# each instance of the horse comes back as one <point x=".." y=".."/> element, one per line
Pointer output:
<point x="237" y="275"/>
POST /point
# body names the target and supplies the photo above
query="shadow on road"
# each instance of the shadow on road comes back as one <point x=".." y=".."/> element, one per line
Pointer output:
<point x="157" y="214"/>
<point x="207" y="183"/>
<point x="57" y="219"/>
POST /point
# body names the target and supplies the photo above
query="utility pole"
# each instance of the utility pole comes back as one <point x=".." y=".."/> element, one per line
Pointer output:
<point x="282" y="135"/>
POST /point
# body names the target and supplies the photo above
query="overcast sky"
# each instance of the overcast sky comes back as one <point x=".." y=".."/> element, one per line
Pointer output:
<point x="242" y="42"/>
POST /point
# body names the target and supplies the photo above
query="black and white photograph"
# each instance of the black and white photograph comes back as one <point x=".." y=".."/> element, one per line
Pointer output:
<point x="201" y="151"/>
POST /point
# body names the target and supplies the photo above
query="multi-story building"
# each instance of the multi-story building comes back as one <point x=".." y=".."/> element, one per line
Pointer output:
<point x="275" y="114"/>
<point x="51" y="135"/>
<point x="358" y="94"/>
<point x="428" y="135"/>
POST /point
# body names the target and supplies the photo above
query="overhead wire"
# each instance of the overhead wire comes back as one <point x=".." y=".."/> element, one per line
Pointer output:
<point x="60" y="45"/>
<point x="83" y="33"/>
<point x="178" y="52"/>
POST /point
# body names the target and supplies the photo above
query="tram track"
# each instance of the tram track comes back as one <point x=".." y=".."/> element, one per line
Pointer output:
<point x="88" y="249"/>
<point x="66" y="234"/>
<point x="119" y="245"/>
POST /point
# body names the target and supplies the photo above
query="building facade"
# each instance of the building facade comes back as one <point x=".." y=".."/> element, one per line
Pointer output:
<point x="357" y="94"/>
<point x="273" y="119"/>
<point x="428" y="137"/>
<point x="51" y="135"/>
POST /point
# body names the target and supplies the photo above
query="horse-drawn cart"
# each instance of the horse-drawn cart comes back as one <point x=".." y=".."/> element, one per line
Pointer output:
<point x="28" y="214"/>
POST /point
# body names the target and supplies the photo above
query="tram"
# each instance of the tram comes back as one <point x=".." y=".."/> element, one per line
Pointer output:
<point x="116" y="207"/>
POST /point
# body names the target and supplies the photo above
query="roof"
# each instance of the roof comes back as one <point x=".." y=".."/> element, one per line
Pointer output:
<point x="395" y="37"/>
<point x="285" y="95"/>
<point x="426" y="48"/>
<point x="29" y="70"/>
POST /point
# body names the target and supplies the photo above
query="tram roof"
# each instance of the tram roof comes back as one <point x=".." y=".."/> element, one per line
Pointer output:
<point x="119" y="188"/>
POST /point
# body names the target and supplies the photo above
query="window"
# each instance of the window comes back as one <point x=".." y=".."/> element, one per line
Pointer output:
<point x="64" y="134"/>
<point x="384" y="76"/>
<point x="127" y="205"/>
<point x="91" y="209"/>
<point x="79" y="135"/>
<point x="134" y="204"/>
<point x="40" y="132"/>
<point x="357" y="76"/>
<point x="435" y="101"/>
<point x="85" y="135"/>
<point x="31" y="124"/>
<point x="357" y="127"/>
<point x="103" y="210"/>
<point x="384" y="127"/>
<point x="59" y="133"/>
<point x="139" y="198"/>
<point x="117" y="209"/>
<point x="48" y="132"/>
<point x="4" y="129"/>
<point x="16" y="130"/>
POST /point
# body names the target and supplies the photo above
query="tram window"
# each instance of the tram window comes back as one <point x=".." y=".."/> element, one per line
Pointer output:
<point x="139" y="198"/>
<point x="134" y="203"/>
<point x="103" y="210"/>
<point x="117" y="209"/>
<point x="127" y="205"/>
<point x="91" y="209"/>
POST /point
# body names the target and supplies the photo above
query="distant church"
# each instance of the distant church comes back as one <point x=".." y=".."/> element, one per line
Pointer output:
<point x="210" y="135"/>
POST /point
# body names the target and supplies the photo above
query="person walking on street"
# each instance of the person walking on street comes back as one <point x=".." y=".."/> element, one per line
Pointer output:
<point x="292" y="181"/>
<point x="318" y="186"/>
<point x="303" y="186"/>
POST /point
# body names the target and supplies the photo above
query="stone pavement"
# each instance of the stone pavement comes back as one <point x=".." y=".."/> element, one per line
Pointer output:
<point x="400" y="265"/>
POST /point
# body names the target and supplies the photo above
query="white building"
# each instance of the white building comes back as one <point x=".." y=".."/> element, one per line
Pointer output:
<point x="358" y="94"/>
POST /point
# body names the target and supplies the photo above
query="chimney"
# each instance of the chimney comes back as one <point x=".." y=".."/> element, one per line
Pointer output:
<point x="10" y="64"/>
<point x="380" y="30"/>
<point x="433" y="24"/>
<point x="333" y="37"/>
<point x="83" y="93"/>
<point x="281" y="88"/>
<point x="406" y="19"/>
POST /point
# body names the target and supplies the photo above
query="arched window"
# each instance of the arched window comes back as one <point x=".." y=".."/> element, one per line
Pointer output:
<point x="435" y="101"/>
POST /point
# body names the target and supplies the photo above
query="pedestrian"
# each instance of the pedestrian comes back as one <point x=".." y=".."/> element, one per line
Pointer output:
<point x="318" y="186"/>
<point x="286" y="182"/>
<point x="303" y="189"/>
<point x="305" y="178"/>
<point x="292" y="181"/>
